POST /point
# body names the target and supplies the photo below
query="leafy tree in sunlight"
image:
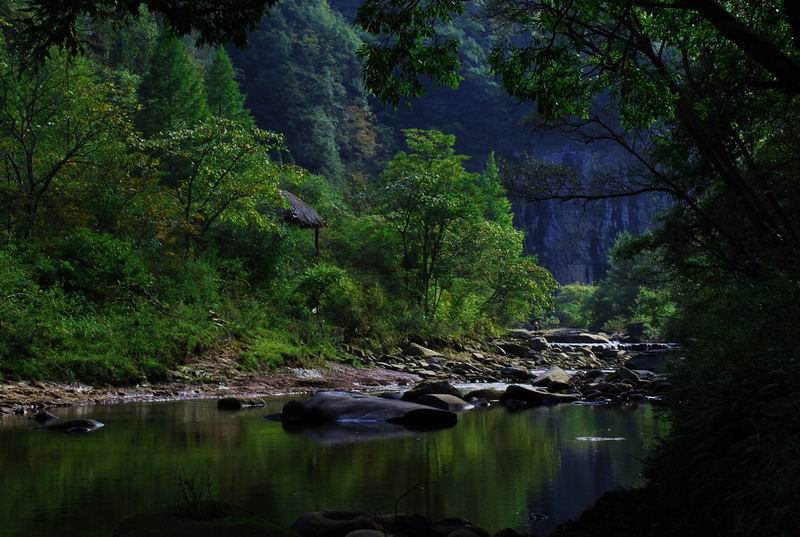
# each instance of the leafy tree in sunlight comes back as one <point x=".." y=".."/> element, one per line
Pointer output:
<point x="220" y="171"/>
<point x="60" y="127"/>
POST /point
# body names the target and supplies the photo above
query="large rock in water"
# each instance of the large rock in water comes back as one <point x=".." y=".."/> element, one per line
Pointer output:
<point x="444" y="402"/>
<point x="332" y="524"/>
<point x="81" y="426"/>
<point x="554" y="374"/>
<point x="650" y="362"/>
<point x="515" y="395"/>
<point x="430" y="387"/>
<point x="238" y="403"/>
<point x="327" y="407"/>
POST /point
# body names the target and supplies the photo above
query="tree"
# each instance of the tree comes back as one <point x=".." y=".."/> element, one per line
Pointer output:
<point x="224" y="98"/>
<point x="317" y="284"/>
<point x="423" y="193"/>
<point x="302" y="80"/>
<point x="668" y="81"/>
<point x="221" y="171"/>
<point x="172" y="92"/>
<point x="60" y="127"/>
<point x="44" y="25"/>
<point x="495" y="199"/>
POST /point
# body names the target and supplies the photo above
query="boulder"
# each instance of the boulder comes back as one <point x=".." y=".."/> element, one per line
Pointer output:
<point x="415" y="349"/>
<point x="444" y="402"/>
<point x="328" y="407"/>
<point x="44" y="416"/>
<point x="462" y="532"/>
<point x="650" y="362"/>
<point x="430" y="386"/>
<point x="521" y="333"/>
<point x="558" y="386"/>
<point x="81" y="426"/>
<point x="515" y="372"/>
<point x="514" y="349"/>
<point x="332" y="524"/>
<point x="536" y="396"/>
<point x="623" y="373"/>
<point x="238" y="403"/>
<point x="554" y="374"/>
<point x="539" y="344"/>
<point x="508" y="532"/>
<point x="368" y="533"/>
<point x="490" y="394"/>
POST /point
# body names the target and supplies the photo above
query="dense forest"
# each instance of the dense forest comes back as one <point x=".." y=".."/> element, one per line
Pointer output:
<point x="141" y="202"/>
<point x="147" y="156"/>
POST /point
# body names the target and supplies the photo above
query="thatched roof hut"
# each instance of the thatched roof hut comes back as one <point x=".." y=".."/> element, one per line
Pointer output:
<point x="301" y="214"/>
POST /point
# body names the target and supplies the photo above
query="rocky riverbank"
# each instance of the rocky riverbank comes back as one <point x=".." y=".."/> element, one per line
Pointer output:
<point x="519" y="357"/>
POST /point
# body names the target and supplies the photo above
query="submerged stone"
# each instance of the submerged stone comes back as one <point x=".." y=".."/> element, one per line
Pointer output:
<point x="326" y="407"/>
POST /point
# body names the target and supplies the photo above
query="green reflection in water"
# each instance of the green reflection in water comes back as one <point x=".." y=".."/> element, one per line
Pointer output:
<point x="495" y="468"/>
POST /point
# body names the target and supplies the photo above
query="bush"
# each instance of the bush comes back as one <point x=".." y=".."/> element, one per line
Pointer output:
<point x="99" y="266"/>
<point x="729" y="466"/>
<point x="574" y="305"/>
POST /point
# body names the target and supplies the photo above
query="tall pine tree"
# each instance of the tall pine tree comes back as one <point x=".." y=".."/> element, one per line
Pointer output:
<point x="225" y="100"/>
<point x="172" y="92"/>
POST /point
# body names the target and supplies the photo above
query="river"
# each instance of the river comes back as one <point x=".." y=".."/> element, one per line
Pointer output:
<point x="526" y="470"/>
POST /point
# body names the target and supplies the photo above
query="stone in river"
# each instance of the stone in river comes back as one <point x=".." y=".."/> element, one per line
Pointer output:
<point x="430" y="386"/>
<point x="81" y="426"/>
<point x="332" y="524"/>
<point x="238" y="403"/>
<point x="554" y="374"/>
<point x="327" y="407"/>
<point x="536" y="396"/>
<point x="515" y="372"/>
<point x="44" y="416"/>
<point x="444" y="402"/>
<point x="490" y="394"/>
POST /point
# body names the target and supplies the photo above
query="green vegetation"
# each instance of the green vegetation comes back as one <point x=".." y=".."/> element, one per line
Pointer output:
<point x="139" y="208"/>
<point x="637" y="290"/>
<point x="704" y="96"/>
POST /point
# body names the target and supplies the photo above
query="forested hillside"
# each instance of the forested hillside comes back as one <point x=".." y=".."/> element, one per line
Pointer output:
<point x="302" y="77"/>
<point x="141" y="210"/>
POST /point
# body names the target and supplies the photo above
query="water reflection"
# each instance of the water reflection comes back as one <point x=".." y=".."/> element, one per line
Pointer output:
<point x="495" y="468"/>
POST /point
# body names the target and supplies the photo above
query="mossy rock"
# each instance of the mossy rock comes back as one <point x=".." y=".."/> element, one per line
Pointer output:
<point x="221" y="520"/>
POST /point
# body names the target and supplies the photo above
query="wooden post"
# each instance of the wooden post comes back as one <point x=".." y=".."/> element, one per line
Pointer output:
<point x="316" y="240"/>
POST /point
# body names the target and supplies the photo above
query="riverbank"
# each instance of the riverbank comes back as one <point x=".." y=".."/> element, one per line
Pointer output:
<point x="519" y="357"/>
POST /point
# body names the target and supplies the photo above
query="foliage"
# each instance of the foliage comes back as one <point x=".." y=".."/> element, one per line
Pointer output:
<point x="224" y="98"/>
<point x="46" y="24"/>
<point x="220" y="171"/>
<point x="302" y="80"/>
<point x="163" y="243"/>
<point x="637" y="288"/>
<point x="60" y="128"/>
<point x="574" y="305"/>
<point x="172" y="90"/>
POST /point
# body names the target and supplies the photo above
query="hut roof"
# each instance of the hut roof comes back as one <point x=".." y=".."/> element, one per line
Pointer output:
<point x="300" y="213"/>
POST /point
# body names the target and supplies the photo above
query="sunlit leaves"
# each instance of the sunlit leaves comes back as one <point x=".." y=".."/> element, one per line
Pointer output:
<point x="221" y="171"/>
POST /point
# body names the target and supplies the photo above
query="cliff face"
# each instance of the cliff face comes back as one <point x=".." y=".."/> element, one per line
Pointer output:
<point x="572" y="239"/>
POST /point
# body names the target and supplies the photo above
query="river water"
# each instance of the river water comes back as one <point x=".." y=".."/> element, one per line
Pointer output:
<point x="527" y="470"/>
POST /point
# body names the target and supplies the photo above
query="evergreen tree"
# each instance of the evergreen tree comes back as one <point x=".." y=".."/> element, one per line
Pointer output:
<point x="497" y="208"/>
<point x="172" y="91"/>
<point x="225" y="100"/>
